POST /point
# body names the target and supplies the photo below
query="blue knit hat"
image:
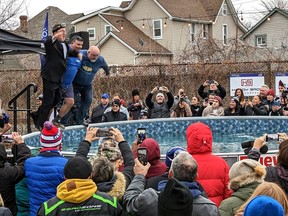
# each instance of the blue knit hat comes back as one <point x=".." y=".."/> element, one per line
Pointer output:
<point x="171" y="154"/>
<point x="264" y="206"/>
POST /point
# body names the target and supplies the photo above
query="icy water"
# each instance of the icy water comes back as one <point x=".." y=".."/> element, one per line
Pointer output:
<point x="221" y="143"/>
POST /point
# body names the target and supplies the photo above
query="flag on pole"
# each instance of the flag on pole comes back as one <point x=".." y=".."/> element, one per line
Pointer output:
<point x="43" y="38"/>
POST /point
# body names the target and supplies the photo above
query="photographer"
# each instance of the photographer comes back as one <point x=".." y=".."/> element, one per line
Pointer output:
<point x="181" y="96"/>
<point x="160" y="108"/>
<point x="214" y="87"/>
<point x="278" y="173"/>
<point x="11" y="174"/>
<point x="182" y="109"/>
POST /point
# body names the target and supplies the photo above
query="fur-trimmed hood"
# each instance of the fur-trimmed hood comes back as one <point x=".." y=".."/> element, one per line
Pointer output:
<point x="245" y="179"/>
<point x="115" y="188"/>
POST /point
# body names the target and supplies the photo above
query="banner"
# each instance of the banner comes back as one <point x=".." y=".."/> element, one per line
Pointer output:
<point x="281" y="79"/>
<point x="43" y="38"/>
<point x="249" y="83"/>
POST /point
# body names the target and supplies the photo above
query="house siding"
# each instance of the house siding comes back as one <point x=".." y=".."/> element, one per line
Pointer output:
<point x="276" y="31"/>
<point x="217" y="27"/>
<point x="93" y="22"/>
<point x="119" y="55"/>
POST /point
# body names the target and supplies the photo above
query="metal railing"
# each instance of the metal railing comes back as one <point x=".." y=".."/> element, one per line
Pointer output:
<point x="13" y="105"/>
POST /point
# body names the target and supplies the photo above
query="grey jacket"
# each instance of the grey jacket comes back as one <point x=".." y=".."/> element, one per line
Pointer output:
<point x="139" y="201"/>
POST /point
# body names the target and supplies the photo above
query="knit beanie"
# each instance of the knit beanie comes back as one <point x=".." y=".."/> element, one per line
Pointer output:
<point x="77" y="168"/>
<point x="109" y="149"/>
<point x="160" y="94"/>
<point x="219" y="99"/>
<point x="264" y="206"/>
<point x="171" y="154"/>
<point x="116" y="102"/>
<point x="245" y="172"/>
<point x="135" y="92"/>
<point x="271" y="92"/>
<point x="50" y="136"/>
<point x="175" y="199"/>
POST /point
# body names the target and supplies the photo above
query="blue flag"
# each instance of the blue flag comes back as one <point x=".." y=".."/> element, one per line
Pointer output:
<point x="43" y="38"/>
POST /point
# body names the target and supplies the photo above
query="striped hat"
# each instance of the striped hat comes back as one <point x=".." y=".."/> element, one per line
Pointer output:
<point x="50" y="136"/>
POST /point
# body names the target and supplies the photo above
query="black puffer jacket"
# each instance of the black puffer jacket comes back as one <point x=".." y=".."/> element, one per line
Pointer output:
<point x="10" y="175"/>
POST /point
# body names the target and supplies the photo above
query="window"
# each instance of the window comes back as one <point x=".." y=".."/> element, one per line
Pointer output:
<point x="225" y="34"/>
<point x="261" y="40"/>
<point x="204" y="31"/>
<point x="157" y="29"/>
<point x="92" y="33"/>
<point x="192" y="32"/>
<point x="107" y="29"/>
<point x="224" y="9"/>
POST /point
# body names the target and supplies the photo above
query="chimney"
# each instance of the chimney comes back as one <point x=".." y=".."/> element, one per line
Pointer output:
<point x="23" y="23"/>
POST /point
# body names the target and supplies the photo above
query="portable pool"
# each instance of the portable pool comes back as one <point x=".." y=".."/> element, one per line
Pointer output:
<point x="228" y="132"/>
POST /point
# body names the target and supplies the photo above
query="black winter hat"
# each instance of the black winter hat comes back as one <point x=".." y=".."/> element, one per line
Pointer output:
<point x="175" y="199"/>
<point x="116" y="102"/>
<point x="78" y="168"/>
<point x="135" y="92"/>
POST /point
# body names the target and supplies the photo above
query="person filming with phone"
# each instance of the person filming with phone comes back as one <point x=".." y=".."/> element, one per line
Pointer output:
<point x="160" y="108"/>
<point x="214" y="87"/>
<point x="279" y="172"/>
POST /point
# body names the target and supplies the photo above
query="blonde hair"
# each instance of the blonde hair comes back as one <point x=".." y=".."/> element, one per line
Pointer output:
<point x="1" y="201"/>
<point x="269" y="189"/>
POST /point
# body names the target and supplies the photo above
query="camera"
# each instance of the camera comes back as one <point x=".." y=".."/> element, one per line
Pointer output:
<point x="270" y="137"/>
<point x="142" y="155"/>
<point x="104" y="132"/>
<point x="6" y="139"/>
<point x="210" y="82"/>
<point x="247" y="146"/>
<point x="141" y="134"/>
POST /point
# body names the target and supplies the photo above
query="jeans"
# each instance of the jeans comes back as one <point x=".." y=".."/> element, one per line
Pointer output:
<point x="86" y="92"/>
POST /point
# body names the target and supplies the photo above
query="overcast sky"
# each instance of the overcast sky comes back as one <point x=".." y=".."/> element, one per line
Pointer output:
<point x="33" y="7"/>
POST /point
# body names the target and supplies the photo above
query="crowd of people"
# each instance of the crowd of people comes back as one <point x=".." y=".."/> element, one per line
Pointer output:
<point x="119" y="181"/>
<point x="125" y="179"/>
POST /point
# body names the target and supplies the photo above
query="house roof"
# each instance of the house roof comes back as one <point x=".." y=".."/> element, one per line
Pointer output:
<point x="202" y="10"/>
<point x="275" y="10"/>
<point x="55" y="15"/>
<point x="131" y="36"/>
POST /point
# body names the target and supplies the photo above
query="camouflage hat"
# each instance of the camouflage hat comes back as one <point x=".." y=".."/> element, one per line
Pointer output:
<point x="109" y="148"/>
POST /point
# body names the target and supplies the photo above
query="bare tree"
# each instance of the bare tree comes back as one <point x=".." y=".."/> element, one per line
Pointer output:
<point x="271" y="4"/>
<point x="9" y="10"/>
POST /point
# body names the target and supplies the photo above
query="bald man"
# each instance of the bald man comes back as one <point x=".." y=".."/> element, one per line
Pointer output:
<point x="92" y="61"/>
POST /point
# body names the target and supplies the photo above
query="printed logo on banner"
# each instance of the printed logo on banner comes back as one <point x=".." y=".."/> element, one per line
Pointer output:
<point x="246" y="82"/>
<point x="266" y="160"/>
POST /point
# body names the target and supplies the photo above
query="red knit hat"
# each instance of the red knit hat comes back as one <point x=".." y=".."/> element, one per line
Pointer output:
<point x="271" y="92"/>
<point x="50" y="136"/>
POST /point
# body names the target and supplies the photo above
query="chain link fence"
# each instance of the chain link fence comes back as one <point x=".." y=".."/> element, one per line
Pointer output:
<point x="124" y="79"/>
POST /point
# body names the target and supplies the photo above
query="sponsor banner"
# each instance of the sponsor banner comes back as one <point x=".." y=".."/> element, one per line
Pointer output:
<point x="266" y="159"/>
<point x="249" y="83"/>
<point x="281" y="79"/>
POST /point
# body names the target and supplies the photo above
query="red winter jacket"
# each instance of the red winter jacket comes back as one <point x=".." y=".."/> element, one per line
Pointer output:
<point x="212" y="170"/>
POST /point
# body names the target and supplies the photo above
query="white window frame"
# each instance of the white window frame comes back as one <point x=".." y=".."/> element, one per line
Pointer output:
<point x="193" y="32"/>
<point x="261" y="37"/>
<point x="105" y="29"/>
<point x="161" y="30"/>
<point x="225" y="34"/>
<point x="224" y="9"/>
<point x="204" y="31"/>
<point x="94" y="31"/>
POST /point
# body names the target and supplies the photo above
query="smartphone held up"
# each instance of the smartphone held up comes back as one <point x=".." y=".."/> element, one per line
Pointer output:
<point x="104" y="132"/>
<point x="141" y="134"/>
<point x="142" y="155"/>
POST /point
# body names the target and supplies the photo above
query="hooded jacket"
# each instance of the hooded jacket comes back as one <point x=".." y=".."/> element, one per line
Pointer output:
<point x="79" y="197"/>
<point x="153" y="155"/>
<point x="243" y="186"/>
<point x="10" y="175"/>
<point x="212" y="170"/>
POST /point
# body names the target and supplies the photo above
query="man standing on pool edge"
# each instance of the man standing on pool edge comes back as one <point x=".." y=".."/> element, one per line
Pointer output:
<point x="55" y="66"/>
<point x="92" y="61"/>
